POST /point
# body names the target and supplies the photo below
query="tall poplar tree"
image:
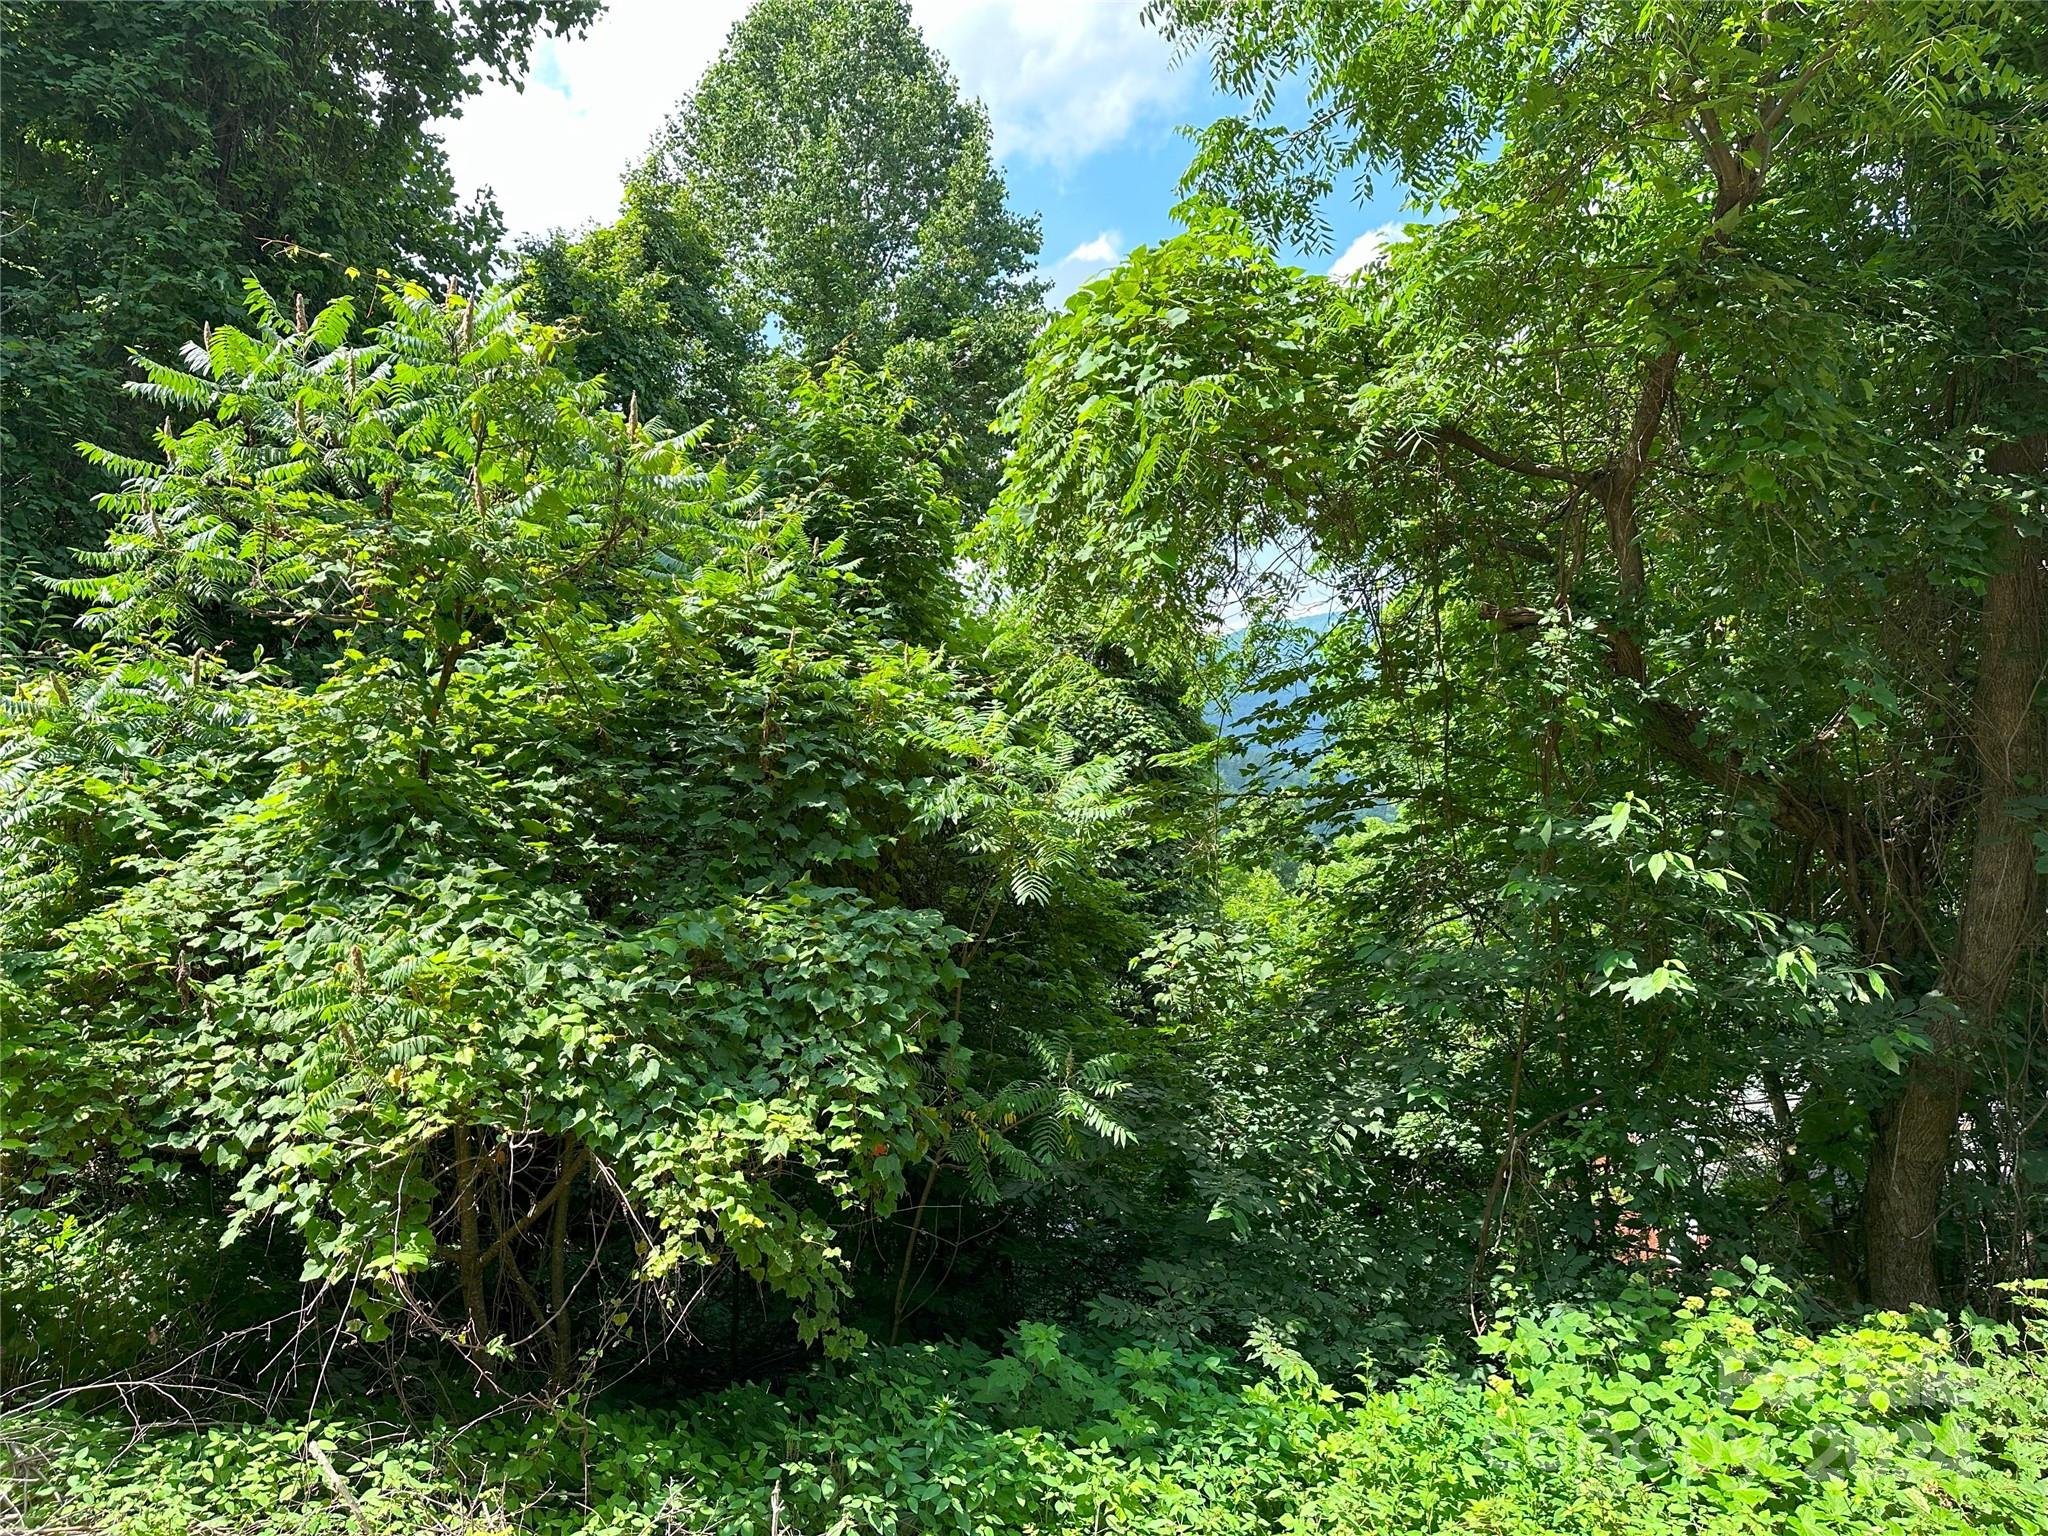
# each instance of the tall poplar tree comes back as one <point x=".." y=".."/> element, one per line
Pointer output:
<point x="857" y="197"/>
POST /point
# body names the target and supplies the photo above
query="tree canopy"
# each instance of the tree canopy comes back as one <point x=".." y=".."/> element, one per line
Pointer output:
<point x="1684" y="492"/>
<point x="646" y="299"/>
<point x="156" y="155"/>
<point x="857" y="199"/>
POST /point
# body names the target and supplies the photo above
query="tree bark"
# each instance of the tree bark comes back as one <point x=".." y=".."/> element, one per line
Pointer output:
<point x="2000" y="919"/>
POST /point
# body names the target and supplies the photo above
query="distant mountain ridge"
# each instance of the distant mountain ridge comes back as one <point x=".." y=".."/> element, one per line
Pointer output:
<point x="1238" y="713"/>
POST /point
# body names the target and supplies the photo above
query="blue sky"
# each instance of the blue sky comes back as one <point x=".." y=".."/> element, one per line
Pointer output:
<point x="1085" y="102"/>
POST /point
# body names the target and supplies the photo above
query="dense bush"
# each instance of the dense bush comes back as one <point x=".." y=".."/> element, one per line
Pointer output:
<point x="1649" y="1414"/>
<point x="528" y="869"/>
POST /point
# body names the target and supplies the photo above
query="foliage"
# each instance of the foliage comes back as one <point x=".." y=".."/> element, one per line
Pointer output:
<point x="157" y="155"/>
<point x="1156" y="393"/>
<point x="1648" y="1416"/>
<point x="849" y="458"/>
<point x="644" y="300"/>
<point x="581" y="855"/>
<point x="128" y="1290"/>
<point x="571" y="859"/>
<point x="1685" y="517"/>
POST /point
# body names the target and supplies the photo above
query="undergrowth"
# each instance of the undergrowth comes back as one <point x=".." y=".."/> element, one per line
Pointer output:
<point x="1644" y="1415"/>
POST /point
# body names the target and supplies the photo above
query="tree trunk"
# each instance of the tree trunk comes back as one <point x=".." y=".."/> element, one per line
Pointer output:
<point x="2001" y="917"/>
<point x="468" y="1261"/>
<point x="558" y="1268"/>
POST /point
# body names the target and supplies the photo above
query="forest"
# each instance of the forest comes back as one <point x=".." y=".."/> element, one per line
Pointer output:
<point x="723" y="871"/>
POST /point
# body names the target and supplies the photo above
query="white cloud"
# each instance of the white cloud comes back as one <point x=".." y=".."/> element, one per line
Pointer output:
<point x="1368" y="250"/>
<point x="557" y="153"/>
<point x="1102" y="251"/>
<point x="1062" y="79"/>
<point x="1083" y="264"/>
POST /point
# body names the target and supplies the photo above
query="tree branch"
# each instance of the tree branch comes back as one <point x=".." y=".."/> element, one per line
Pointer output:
<point x="1457" y="437"/>
<point x="540" y="1207"/>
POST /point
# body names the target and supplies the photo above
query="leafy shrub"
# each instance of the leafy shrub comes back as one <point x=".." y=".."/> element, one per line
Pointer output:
<point x="516" y="861"/>
<point x="85" y="1296"/>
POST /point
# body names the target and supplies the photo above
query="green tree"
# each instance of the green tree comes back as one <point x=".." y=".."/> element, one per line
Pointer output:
<point x="1687" y="464"/>
<point x="156" y="154"/>
<point x="844" y="453"/>
<point x="857" y="200"/>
